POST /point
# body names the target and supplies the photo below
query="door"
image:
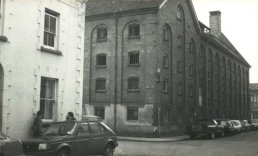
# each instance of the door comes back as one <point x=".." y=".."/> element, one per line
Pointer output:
<point x="98" y="142"/>
<point x="83" y="139"/>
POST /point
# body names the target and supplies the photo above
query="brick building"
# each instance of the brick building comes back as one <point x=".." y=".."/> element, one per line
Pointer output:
<point x="254" y="101"/>
<point x="152" y="63"/>
<point x="41" y="62"/>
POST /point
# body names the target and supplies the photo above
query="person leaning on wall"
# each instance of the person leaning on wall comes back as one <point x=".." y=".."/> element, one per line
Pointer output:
<point x="37" y="125"/>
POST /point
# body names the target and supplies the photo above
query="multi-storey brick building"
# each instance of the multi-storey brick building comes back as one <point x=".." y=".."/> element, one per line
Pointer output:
<point x="254" y="101"/>
<point x="152" y="63"/>
<point x="41" y="61"/>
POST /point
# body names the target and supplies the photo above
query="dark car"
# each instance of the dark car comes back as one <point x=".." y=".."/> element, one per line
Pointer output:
<point x="205" y="128"/>
<point x="10" y="146"/>
<point x="77" y="138"/>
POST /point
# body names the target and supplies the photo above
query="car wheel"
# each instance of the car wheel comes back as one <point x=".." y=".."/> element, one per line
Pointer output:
<point x="63" y="152"/>
<point x="212" y="135"/>
<point x="109" y="150"/>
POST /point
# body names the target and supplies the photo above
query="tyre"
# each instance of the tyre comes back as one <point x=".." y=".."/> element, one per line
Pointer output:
<point x="109" y="150"/>
<point x="212" y="135"/>
<point x="63" y="152"/>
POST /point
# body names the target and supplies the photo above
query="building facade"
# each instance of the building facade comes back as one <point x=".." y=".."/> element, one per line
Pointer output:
<point x="254" y="101"/>
<point x="153" y="64"/>
<point x="41" y="62"/>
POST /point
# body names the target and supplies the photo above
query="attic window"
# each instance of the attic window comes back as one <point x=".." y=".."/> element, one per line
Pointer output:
<point x="179" y="13"/>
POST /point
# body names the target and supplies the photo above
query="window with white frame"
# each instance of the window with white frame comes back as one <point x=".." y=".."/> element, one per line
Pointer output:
<point x="51" y="28"/>
<point x="48" y="96"/>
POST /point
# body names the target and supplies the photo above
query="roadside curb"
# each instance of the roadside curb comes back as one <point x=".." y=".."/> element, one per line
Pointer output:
<point x="139" y="139"/>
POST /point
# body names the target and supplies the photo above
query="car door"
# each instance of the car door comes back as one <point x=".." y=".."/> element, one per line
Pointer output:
<point x="98" y="142"/>
<point x="83" y="139"/>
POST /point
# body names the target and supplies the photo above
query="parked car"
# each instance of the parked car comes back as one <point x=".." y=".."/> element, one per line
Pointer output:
<point x="77" y="138"/>
<point x="254" y="124"/>
<point x="245" y="126"/>
<point x="227" y="125"/>
<point x="10" y="146"/>
<point x="205" y="128"/>
<point x="237" y="125"/>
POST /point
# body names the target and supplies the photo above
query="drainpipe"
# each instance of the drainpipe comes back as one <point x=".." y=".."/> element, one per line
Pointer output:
<point x="115" y="96"/>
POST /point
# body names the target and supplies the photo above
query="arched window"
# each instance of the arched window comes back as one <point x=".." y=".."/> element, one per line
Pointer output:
<point x="201" y="51"/>
<point x="191" y="46"/>
<point x="179" y="13"/>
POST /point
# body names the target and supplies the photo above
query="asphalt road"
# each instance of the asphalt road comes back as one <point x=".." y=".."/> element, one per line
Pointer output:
<point x="244" y="144"/>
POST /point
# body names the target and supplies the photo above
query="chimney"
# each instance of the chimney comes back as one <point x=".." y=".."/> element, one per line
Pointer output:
<point x="215" y="23"/>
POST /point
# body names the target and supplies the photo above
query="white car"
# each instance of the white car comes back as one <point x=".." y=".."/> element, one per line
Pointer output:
<point x="237" y="125"/>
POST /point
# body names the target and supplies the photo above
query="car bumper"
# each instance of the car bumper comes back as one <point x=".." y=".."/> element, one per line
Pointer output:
<point x="40" y="153"/>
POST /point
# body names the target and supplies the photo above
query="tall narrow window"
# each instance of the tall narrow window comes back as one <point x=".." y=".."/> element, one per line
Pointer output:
<point x="132" y="113"/>
<point x="134" y="58"/>
<point x="191" y="70"/>
<point x="179" y="66"/>
<point x="191" y="47"/>
<point x="165" y="61"/>
<point x="133" y="83"/>
<point x="134" y="31"/>
<point x="179" y="88"/>
<point x="179" y="41"/>
<point x="102" y="34"/>
<point x="190" y="90"/>
<point x="101" y="60"/>
<point x="50" y="28"/>
<point x="48" y="97"/>
<point x="179" y="13"/>
<point x="200" y="96"/>
<point x="100" y="85"/>
<point x="165" y="34"/>
<point x="165" y="86"/>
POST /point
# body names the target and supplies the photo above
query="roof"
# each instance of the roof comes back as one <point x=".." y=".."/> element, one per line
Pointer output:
<point x="95" y="7"/>
<point x="253" y="86"/>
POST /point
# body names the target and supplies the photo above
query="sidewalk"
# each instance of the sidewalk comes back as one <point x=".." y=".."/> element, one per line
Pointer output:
<point x="167" y="139"/>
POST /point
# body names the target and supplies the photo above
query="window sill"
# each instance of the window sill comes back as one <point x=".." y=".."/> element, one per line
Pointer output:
<point x="56" y="52"/>
<point x="102" y="40"/>
<point x="134" y="37"/>
<point x="100" y="91"/>
<point x="133" y="90"/>
<point x="101" y="66"/>
<point x="3" y="38"/>
<point x="133" y="65"/>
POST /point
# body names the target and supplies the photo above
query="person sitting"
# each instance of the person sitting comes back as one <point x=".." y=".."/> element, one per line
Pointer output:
<point x="70" y="117"/>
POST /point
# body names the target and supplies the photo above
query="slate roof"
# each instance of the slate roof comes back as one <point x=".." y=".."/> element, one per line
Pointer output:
<point x="95" y="7"/>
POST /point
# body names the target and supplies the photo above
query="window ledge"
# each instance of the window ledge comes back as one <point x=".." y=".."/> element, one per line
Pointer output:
<point x="100" y="91"/>
<point x="133" y="90"/>
<point x="3" y="38"/>
<point x="44" y="49"/>
<point x="101" y="66"/>
<point x="134" y="37"/>
<point x="102" y="40"/>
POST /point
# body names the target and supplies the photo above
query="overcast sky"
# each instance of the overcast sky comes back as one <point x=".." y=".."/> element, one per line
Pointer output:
<point x="239" y="22"/>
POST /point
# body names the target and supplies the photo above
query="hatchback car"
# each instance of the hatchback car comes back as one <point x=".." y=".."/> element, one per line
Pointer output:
<point x="77" y="138"/>
<point x="10" y="146"/>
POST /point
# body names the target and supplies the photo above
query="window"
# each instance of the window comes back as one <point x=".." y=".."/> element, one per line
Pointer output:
<point x="101" y="60"/>
<point x="83" y="129"/>
<point x="100" y="111"/>
<point x="48" y="97"/>
<point x="133" y="83"/>
<point x="191" y="47"/>
<point x="179" y="41"/>
<point x="179" y="13"/>
<point x="165" y="85"/>
<point x="165" y="61"/>
<point x="100" y="84"/>
<point x="134" y="31"/>
<point x="179" y="66"/>
<point x="50" y="28"/>
<point x="102" y="34"/>
<point x="201" y="52"/>
<point x="134" y="58"/>
<point x="165" y="34"/>
<point x="190" y="89"/>
<point x="200" y="96"/>
<point x="200" y="73"/>
<point x="191" y="69"/>
<point x="95" y="128"/>
<point x="179" y="88"/>
<point x="132" y="113"/>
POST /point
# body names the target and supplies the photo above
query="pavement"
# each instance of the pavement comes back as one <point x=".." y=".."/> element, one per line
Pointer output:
<point x="163" y="139"/>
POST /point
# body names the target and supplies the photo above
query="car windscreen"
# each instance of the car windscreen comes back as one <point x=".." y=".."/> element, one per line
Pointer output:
<point x="59" y="128"/>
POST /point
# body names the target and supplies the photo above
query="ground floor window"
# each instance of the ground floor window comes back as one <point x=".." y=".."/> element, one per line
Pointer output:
<point x="48" y="97"/>
<point x="132" y="113"/>
<point x="100" y="111"/>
